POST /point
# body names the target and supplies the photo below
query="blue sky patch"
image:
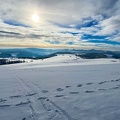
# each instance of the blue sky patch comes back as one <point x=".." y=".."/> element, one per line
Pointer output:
<point x="73" y="33"/>
<point x="104" y="42"/>
<point x="70" y="43"/>
<point x="98" y="39"/>
<point x="15" y="23"/>
<point x="88" y="36"/>
<point x="89" y="23"/>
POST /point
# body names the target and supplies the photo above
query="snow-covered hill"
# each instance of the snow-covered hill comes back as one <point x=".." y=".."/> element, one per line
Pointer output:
<point x="62" y="60"/>
<point x="63" y="87"/>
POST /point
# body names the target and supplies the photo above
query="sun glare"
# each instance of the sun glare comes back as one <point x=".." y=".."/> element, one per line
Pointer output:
<point x="35" y="18"/>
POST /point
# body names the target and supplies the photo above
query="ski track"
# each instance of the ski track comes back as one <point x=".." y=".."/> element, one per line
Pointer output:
<point x="50" y="107"/>
<point x="28" y="89"/>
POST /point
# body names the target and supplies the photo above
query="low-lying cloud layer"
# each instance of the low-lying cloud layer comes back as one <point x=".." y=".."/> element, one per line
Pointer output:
<point x="88" y="24"/>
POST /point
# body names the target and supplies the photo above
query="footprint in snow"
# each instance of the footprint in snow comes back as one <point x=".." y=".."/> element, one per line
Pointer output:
<point x="89" y="83"/>
<point x="115" y="80"/>
<point x="115" y="88"/>
<point x="16" y="96"/>
<point x="59" y="89"/>
<point x="74" y="92"/>
<point x="22" y="103"/>
<point x="24" y="119"/>
<point x="44" y="91"/>
<point x="103" y="82"/>
<point x="79" y="85"/>
<point x="4" y="106"/>
<point x="67" y="86"/>
<point x="89" y="91"/>
<point x="41" y="98"/>
<point x="118" y="80"/>
<point x="59" y="96"/>
<point x="2" y="100"/>
<point x="102" y="89"/>
<point x="31" y="94"/>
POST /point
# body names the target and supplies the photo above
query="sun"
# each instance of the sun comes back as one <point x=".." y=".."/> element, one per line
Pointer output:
<point x="35" y="18"/>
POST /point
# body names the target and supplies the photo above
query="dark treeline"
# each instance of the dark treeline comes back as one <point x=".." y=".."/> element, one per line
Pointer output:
<point x="98" y="55"/>
<point x="92" y="55"/>
<point x="7" y="61"/>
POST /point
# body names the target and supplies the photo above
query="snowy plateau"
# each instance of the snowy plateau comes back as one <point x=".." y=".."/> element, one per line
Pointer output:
<point x="64" y="87"/>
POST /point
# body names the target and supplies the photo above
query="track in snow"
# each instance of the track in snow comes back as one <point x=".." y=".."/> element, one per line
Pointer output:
<point x="54" y="111"/>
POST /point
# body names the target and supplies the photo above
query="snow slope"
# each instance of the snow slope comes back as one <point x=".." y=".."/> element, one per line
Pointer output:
<point x="61" y="88"/>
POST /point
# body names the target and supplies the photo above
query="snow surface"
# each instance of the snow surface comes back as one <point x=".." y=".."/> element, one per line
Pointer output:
<point x="64" y="87"/>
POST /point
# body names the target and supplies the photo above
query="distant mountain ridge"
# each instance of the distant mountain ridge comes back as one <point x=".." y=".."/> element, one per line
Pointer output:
<point x="37" y="53"/>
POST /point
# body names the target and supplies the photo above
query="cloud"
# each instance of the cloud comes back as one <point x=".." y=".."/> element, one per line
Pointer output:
<point x="12" y="33"/>
<point x="64" y="23"/>
<point x="110" y="25"/>
<point x="64" y="11"/>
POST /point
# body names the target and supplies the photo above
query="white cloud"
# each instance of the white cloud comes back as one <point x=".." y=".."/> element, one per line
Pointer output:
<point x="110" y="25"/>
<point x="64" y="12"/>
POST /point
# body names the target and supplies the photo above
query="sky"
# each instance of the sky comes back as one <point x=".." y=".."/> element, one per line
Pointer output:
<point x="80" y="24"/>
